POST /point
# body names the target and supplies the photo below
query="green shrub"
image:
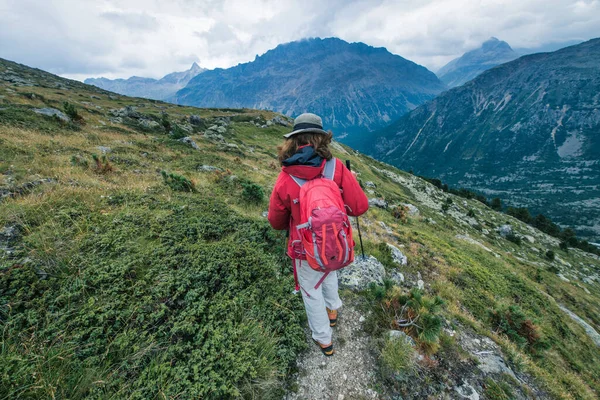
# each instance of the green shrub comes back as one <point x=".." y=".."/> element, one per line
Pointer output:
<point x="512" y="237"/>
<point x="78" y="161"/>
<point x="176" y="132"/>
<point x="471" y="213"/>
<point x="401" y="213"/>
<point x="72" y="112"/>
<point x="513" y="323"/>
<point x="252" y="192"/>
<point x="397" y="357"/>
<point x="550" y="255"/>
<point x="177" y="182"/>
<point x="163" y="294"/>
<point x="498" y="390"/>
<point x="101" y="164"/>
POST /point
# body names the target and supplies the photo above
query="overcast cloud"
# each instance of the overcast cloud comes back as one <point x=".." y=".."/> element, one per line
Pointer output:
<point x="90" y="38"/>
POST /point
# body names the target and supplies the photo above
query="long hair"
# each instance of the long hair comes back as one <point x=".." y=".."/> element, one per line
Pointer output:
<point x="319" y="141"/>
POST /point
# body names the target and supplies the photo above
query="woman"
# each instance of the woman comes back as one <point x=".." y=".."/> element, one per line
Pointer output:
<point x="303" y="155"/>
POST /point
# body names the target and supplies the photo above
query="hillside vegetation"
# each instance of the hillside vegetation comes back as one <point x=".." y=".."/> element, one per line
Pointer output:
<point x="136" y="262"/>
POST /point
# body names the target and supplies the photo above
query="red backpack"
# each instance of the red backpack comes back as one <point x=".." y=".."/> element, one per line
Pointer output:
<point x="324" y="229"/>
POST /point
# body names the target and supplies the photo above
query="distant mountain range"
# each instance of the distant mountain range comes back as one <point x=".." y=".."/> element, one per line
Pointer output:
<point x="353" y="86"/>
<point x="158" y="89"/>
<point x="460" y="70"/>
<point x="527" y="131"/>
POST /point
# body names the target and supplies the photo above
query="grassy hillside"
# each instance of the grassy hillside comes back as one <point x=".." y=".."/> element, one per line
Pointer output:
<point x="131" y="268"/>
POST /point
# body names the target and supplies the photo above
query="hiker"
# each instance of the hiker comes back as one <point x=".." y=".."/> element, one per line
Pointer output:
<point x="305" y="156"/>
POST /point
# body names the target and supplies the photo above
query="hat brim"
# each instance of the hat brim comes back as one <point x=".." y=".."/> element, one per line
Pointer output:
<point x="307" y="130"/>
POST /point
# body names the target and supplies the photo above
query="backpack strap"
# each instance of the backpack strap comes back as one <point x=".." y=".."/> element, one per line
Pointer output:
<point x="328" y="172"/>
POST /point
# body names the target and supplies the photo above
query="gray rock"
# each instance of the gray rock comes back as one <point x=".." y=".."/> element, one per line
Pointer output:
<point x="399" y="335"/>
<point x="213" y="128"/>
<point x="104" y="149"/>
<point x="208" y="168"/>
<point x="148" y="123"/>
<point x="221" y="130"/>
<point x="466" y="391"/>
<point x="412" y="210"/>
<point x="269" y="123"/>
<point x="591" y="332"/>
<point x="420" y="284"/>
<point x="229" y="147"/>
<point x="370" y="184"/>
<point x="280" y="121"/>
<point x="190" y="141"/>
<point x="504" y="230"/>
<point x="265" y="214"/>
<point x="195" y="119"/>
<point x="51" y="112"/>
<point x="378" y="203"/>
<point x="361" y="273"/>
<point x="125" y="112"/>
<point x="397" y="277"/>
<point x="397" y="255"/>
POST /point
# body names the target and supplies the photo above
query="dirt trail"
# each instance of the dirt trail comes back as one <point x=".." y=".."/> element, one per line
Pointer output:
<point x="349" y="374"/>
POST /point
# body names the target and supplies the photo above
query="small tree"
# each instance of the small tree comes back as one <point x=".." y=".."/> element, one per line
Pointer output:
<point x="496" y="204"/>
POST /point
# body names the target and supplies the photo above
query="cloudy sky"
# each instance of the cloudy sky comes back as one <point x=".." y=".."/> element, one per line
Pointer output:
<point x="91" y="38"/>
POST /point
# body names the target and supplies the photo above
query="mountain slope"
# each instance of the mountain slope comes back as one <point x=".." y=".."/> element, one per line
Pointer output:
<point x="354" y="87"/>
<point x="157" y="89"/>
<point x="526" y="131"/>
<point x="119" y="281"/>
<point x="491" y="53"/>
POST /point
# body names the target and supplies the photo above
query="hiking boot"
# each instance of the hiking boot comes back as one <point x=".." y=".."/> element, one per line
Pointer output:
<point x="327" y="350"/>
<point x="332" y="314"/>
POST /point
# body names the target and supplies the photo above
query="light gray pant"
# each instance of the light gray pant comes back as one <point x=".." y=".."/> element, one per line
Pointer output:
<point x="315" y="300"/>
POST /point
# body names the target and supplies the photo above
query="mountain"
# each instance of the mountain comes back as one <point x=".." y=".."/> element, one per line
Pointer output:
<point x="136" y="262"/>
<point x="353" y="86"/>
<point x="157" y="89"/>
<point x="491" y="53"/>
<point x="526" y="131"/>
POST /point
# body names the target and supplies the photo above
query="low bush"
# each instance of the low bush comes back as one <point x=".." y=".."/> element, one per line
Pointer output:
<point x="101" y="164"/>
<point x="401" y="213"/>
<point x="516" y="239"/>
<point x="550" y="255"/>
<point x="397" y="358"/>
<point x="521" y="330"/>
<point x="177" y="182"/>
<point x="72" y="112"/>
<point x="252" y="192"/>
<point x="148" y="300"/>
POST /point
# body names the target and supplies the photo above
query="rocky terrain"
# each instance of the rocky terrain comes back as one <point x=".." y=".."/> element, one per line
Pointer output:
<point x="352" y="86"/>
<point x="461" y="70"/>
<point x="136" y="262"/>
<point x="157" y="89"/>
<point x="525" y="131"/>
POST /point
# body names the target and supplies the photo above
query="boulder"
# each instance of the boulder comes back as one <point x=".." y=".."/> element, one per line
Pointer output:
<point x="397" y="277"/>
<point x="148" y="123"/>
<point x="190" y="141"/>
<point x="504" y="230"/>
<point x="397" y="255"/>
<point x="412" y="210"/>
<point x="370" y="184"/>
<point x="195" y="119"/>
<point x="378" y="203"/>
<point x="52" y="112"/>
<point x="360" y="274"/>
<point x="221" y="130"/>
<point x="280" y="121"/>
<point x="208" y="168"/>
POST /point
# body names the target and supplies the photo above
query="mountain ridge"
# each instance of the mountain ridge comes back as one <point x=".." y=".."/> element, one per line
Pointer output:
<point x="156" y="89"/>
<point x="353" y="86"/>
<point x="491" y="53"/>
<point x="530" y="116"/>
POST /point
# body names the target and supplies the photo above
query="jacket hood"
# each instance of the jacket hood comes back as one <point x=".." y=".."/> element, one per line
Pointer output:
<point x="304" y="164"/>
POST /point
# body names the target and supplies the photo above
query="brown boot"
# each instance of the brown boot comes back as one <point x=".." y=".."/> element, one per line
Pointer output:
<point x="332" y="314"/>
<point x="327" y="350"/>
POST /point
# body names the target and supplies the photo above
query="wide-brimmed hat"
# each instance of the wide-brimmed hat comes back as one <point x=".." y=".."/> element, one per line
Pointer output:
<point x="305" y="123"/>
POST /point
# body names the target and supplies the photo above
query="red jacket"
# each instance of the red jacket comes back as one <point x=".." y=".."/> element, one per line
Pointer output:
<point x="285" y="214"/>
